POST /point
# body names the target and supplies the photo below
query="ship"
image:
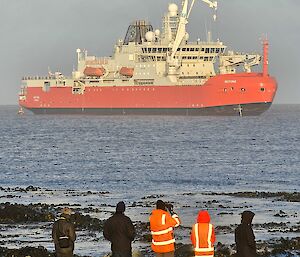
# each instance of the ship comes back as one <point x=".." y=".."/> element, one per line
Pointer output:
<point x="158" y="72"/>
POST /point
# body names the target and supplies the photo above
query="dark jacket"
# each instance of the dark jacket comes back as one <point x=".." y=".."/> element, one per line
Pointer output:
<point x="119" y="230"/>
<point x="63" y="227"/>
<point x="244" y="237"/>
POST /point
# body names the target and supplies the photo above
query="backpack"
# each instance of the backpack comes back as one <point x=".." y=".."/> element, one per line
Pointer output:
<point x="63" y="240"/>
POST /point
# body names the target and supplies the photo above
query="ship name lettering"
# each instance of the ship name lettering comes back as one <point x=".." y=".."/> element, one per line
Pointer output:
<point x="230" y="81"/>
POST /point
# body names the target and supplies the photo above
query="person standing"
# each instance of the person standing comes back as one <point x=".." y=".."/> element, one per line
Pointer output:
<point x="119" y="230"/>
<point x="203" y="235"/>
<point x="162" y="224"/>
<point x="244" y="236"/>
<point x="63" y="234"/>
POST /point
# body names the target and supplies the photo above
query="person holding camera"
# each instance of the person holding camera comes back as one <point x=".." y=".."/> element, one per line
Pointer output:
<point x="63" y="234"/>
<point x="163" y="220"/>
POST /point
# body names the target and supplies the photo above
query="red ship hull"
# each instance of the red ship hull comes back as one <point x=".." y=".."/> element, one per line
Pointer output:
<point x="251" y="93"/>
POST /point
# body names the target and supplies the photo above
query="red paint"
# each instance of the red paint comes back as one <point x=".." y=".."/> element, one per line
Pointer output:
<point x="229" y="89"/>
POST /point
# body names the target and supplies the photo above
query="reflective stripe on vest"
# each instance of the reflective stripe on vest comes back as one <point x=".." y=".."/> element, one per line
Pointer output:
<point x="207" y="249"/>
<point x="163" y="219"/>
<point x="161" y="232"/>
<point x="164" y="242"/>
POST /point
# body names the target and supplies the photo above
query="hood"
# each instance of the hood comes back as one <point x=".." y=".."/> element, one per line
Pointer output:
<point x="120" y="208"/>
<point x="203" y="217"/>
<point x="247" y="217"/>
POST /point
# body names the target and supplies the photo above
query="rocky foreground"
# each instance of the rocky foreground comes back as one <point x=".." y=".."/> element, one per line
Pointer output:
<point x="283" y="247"/>
<point x="20" y="214"/>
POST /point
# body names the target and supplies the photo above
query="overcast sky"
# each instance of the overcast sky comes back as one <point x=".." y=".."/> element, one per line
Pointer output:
<point x="37" y="34"/>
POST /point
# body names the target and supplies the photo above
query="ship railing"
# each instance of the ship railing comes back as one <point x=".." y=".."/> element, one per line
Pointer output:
<point x="44" y="78"/>
<point x="98" y="61"/>
<point x="198" y="42"/>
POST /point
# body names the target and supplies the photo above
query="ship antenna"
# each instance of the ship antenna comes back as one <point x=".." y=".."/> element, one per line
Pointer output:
<point x="206" y="32"/>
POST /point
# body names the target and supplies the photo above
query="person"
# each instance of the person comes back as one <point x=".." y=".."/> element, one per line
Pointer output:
<point x="63" y="234"/>
<point x="244" y="236"/>
<point x="119" y="230"/>
<point x="162" y="224"/>
<point x="203" y="235"/>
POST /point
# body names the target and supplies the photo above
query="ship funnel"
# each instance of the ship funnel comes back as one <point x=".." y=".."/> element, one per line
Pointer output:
<point x="266" y="58"/>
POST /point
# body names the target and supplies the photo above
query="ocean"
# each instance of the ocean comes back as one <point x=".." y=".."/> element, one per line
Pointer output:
<point x="138" y="159"/>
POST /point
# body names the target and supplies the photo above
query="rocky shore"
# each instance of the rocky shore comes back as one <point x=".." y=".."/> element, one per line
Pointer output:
<point x="283" y="247"/>
<point x="36" y="218"/>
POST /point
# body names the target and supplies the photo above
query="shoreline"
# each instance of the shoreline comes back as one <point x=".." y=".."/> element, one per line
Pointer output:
<point x="281" y="229"/>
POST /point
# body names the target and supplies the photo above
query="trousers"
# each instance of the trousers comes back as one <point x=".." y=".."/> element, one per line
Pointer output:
<point x="121" y="254"/>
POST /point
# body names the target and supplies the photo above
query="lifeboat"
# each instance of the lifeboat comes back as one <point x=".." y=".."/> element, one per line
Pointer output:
<point x="125" y="71"/>
<point x="94" y="72"/>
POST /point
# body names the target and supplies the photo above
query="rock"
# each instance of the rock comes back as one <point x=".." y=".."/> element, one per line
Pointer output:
<point x="12" y="213"/>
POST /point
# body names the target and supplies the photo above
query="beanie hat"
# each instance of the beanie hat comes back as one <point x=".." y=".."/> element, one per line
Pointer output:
<point x="120" y="207"/>
<point x="66" y="210"/>
<point x="160" y="205"/>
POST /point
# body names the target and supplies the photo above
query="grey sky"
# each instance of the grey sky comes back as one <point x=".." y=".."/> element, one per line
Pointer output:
<point x="36" y="34"/>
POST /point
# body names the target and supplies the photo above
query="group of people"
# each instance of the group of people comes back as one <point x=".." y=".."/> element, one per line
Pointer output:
<point x="120" y="231"/>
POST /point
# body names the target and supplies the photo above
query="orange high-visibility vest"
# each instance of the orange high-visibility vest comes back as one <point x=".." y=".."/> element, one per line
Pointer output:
<point x="203" y="238"/>
<point x="161" y="226"/>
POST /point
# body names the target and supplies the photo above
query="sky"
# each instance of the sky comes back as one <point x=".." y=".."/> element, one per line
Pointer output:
<point x="37" y="34"/>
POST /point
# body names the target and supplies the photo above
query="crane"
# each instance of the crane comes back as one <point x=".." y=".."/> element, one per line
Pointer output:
<point x="183" y="20"/>
<point x="212" y="4"/>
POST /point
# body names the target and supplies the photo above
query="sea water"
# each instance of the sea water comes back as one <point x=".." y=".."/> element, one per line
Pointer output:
<point x="134" y="158"/>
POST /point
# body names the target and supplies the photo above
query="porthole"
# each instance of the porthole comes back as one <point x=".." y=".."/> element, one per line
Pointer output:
<point x="243" y="89"/>
<point x="262" y="89"/>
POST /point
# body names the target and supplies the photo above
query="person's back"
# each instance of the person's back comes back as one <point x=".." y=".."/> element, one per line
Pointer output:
<point x="63" y="234"/>
<point x="119" y="230"/>
<point x="244" y="236"/>
<point x="203" y="235"/>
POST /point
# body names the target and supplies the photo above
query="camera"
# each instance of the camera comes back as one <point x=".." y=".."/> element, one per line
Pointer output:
<point x="169" y="206"/>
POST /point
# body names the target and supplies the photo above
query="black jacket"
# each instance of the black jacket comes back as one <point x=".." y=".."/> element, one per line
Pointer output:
<point x="63" y="227"/>
<point x="244" y="237"/>
<point x="119" y="230"/>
